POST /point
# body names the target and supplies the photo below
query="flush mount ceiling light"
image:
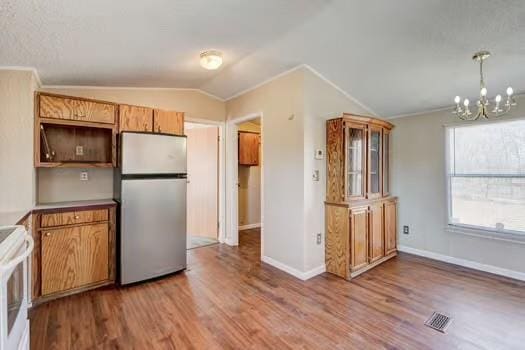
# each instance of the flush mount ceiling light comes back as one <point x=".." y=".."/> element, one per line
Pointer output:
<point x="211" y="59"/>
<point x="484" y="107"/>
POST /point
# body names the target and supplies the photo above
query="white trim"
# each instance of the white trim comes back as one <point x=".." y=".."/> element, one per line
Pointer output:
<point x="292" y="271"/>
<point x="27" y="69"/>
<point x="98" y="87"/>
<point x="249" y="226"/>
<point x="463" y="262"/>
<point x="506" y="236"/>
<point x="221" y="234"/>
<point x="346" y="94"/>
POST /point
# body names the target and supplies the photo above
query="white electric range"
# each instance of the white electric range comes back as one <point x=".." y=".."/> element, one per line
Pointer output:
<point x="16" y="246"/>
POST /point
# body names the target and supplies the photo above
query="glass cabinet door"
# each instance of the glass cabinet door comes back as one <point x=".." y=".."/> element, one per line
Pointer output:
<point x="386" y="162"/>
<point x="355" y="161"/>
<point x="374" y="162"/>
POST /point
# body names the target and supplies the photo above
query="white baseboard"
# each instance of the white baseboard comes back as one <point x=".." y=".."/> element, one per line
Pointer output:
<point x="249" y="226"/>
<point x="465" y="263"/>
<point x="292" y="271"/>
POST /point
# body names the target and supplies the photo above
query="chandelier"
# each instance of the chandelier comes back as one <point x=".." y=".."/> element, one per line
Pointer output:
<point x="485" y="109"/>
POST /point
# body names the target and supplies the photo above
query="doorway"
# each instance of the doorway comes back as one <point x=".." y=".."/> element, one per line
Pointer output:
<point x="203" y="184"/>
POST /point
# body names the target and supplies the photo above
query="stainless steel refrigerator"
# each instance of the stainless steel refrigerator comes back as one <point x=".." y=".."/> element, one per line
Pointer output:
<point x="150" y="187"/>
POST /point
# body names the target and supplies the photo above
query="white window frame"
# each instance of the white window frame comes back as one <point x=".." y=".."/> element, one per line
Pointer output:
<point x="473" y="230"/>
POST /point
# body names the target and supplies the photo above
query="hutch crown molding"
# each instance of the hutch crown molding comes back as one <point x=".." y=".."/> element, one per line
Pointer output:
<point x="360" y="213"/>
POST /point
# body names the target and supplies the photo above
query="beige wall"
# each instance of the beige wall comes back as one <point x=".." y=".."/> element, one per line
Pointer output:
<point x="321" y="102"/>
<point x="295" y="108"/>
<point x="418" y="178"/>
<point x="250" y="186"/>
<point x="281" y="104"/>
<point x="56" y="185"/>
<point x="17" y="175"/>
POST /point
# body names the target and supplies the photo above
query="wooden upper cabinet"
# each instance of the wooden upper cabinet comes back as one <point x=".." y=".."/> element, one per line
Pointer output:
<point x="74" y="257"/>
<point x="168" y="122"/>
<point x="248" y="148"/>
<point x="135" y="118"/>
<point x="356" y="167"/>
<point x="69" y="108"/>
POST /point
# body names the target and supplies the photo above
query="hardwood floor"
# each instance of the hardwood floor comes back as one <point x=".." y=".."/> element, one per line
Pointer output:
<point x="228" y="299"/>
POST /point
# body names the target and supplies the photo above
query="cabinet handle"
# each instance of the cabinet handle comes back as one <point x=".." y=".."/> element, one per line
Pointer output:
<point x="47" y="234"/>
<point x="77" y="217"/>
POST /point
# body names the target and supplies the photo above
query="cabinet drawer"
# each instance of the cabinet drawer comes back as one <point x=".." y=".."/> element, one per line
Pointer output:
<point x="75" y="109"/>
<point x="74" y="257"/>
<point x="74" y="217"/>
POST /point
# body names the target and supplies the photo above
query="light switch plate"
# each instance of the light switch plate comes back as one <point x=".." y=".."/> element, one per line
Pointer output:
<point x="84" y="176"/>
<point x="315" y="175"/>
<point x="79" y="151"/>
<point x="319" y="154"/>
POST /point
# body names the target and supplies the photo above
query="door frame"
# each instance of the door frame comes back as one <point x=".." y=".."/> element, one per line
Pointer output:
<point x="232" y="178"/>
<point x="221" y="232"/>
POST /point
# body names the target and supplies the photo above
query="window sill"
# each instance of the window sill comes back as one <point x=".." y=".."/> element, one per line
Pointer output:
<point x="488" y="234"/>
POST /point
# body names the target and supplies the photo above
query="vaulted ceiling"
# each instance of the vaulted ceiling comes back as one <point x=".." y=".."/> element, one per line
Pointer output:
<point x="396" y="57"/>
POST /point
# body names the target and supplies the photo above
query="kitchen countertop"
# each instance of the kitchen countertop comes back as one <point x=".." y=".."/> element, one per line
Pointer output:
<point x="14" y="217"/>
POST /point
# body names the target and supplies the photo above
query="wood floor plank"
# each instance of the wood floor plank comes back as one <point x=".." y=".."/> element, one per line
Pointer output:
<point x="228" y="299"/>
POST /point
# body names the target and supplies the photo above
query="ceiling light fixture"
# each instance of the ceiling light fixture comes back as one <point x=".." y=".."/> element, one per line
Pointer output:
<point x="483" y="102"/>
<point x="211" y="59"/>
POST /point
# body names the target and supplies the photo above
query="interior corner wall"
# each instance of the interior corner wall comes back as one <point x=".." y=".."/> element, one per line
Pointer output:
<point x="17" y="175"/>
<point x="321" y="102"/>
<point x="281" y="104"/>
<point x="418" y="179"/>
<point x="56" y="185"/>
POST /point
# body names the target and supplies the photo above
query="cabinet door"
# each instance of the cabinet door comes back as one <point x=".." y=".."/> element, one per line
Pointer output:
<point x="374" y="162"/>
<point x="248" y="148"/>
<point x="74" y="257"/>
<point x="377" y="249"/>
<point x="355" y="165"/>
<point x="359" y="237"/>
<point x="168" y="122"/>
<point x="390" y="227"/>
<point x="386" y="162"/>
<point x="76" y="109"/>
<point x="134" y="118"/>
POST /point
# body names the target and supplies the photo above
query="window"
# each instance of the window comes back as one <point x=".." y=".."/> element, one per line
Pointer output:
<point x="486" y="176"/>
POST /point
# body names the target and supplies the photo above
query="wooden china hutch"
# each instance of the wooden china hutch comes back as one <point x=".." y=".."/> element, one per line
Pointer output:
<point x="360" y="212"/>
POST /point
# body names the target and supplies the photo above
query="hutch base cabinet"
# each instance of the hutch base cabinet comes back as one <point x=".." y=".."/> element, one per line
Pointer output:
<point x="361" y="227"/>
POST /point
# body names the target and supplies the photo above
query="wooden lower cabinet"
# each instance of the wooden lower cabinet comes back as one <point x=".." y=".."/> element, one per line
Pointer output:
<point x="359" y="237"/>
<point x="74" y="257"/>
<point x="74" y="251"/>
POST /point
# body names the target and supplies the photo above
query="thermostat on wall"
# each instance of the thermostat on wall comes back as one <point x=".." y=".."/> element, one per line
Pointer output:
<point x="319" y="154"/>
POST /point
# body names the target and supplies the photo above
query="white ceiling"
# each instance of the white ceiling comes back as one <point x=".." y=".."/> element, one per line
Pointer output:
<point x="396" y="57"/>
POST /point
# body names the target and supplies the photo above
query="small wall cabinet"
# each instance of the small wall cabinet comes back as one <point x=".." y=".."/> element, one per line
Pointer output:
<point x="135" y="118"/>
<point x="74" y="132"/>
<point x="168" y="122"/>
<point x="249" y="148"/>
<point x="360" y="214"/>
<point x="74" y="251"/>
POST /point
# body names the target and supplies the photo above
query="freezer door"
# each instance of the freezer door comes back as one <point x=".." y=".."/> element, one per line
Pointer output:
<point x="153" y="228"/>
<point x="143" y="153"/>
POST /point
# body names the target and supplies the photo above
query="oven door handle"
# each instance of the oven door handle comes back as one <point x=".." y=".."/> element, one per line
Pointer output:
<point x="17" y="260"/>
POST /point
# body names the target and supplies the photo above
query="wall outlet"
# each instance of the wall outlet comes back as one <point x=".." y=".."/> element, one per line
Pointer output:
<point x="406" y="230"/>
<point x="319" y="238"/>
<point x="79" y="150"/>
<point x="319" y="154"/>
<point x="84" y="176"/>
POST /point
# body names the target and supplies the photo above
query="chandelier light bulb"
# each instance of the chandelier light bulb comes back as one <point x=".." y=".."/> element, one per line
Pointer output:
<point x="211" y="59"/>
<point x="510" y="91"/>
<point x="498" y="98"/>
<point x="483" y="92"/>
<point x="457" y="99"/>
<point x="466" y="102"/>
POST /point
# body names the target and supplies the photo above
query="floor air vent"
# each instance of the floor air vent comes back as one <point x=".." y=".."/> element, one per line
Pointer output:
<point x="439" y="322"/>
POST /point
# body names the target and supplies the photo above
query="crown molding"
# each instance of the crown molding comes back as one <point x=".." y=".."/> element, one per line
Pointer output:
<point x="26" y="69"/>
